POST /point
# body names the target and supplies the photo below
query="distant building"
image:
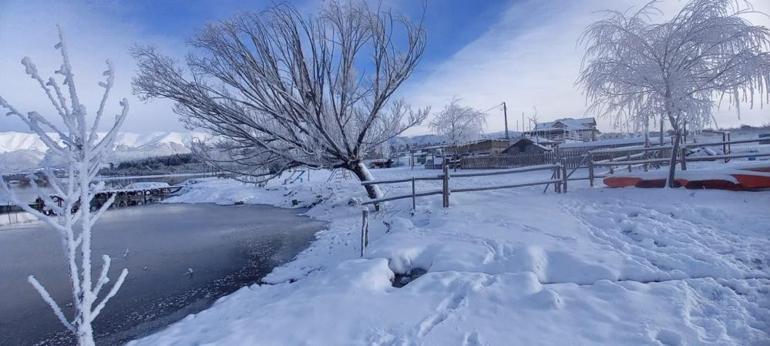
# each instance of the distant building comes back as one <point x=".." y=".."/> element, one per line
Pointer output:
<point x="525" y="145"/>
<point x="602" y="144"/>
<point x="582" y="129"/>
<point x="482" y="147"/>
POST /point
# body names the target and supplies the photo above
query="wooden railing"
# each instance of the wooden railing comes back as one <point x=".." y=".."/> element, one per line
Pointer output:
<point x="570" y="158"/>
<point x="661" y="155"/>
<point x="559" y="178"/>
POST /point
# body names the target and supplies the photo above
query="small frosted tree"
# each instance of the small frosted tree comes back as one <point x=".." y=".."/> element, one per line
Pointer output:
<point x="280" y="89"/>
<point x="680" y="69"/>
<point x="77" y="144"/>
<point x="458" y="124"/>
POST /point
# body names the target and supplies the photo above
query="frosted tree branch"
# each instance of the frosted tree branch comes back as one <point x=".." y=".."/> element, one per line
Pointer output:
<point x="458" y="124"/>
<point x="78" y="145"/>
<point x="636" y="70"/>
<point x="279" y="89"/>
<point x="47" y="298"/>
<point x="111" y="294"/>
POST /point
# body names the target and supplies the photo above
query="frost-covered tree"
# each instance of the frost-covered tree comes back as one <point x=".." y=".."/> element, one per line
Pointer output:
<point x="76" y="143"/>
<point x="458" y="124"/>
<point x="680" y="69"/>
<point x="279" y="89"/>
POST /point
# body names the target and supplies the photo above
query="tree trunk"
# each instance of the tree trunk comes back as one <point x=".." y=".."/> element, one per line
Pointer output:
<point x="672" y="166"/>
<point x="86" y="335"/>
<point x="363" y="174"/>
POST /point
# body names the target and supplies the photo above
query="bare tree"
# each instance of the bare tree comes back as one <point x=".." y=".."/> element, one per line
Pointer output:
<point x="458" y="124"/>
<point x="280" y="89"/>
<point x="679" y="69"/>
<point x="83" y="151"/>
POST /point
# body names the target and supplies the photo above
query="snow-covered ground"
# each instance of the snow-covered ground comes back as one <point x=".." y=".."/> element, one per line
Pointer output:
<point x="593" y="266"/>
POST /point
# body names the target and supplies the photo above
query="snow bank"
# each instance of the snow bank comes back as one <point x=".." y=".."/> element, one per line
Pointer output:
<point x="146" y="185"/>
<point x="594" y="266"/>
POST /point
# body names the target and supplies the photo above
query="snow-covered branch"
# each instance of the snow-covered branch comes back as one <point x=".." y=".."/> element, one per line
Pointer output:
<point x="638" y="70"/>
<point x="458" y="123"/>
<point x="279" y="89"/>
<point x="78" y="145"/>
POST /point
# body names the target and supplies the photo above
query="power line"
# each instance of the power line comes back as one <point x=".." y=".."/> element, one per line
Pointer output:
<point x="493" y="107"/>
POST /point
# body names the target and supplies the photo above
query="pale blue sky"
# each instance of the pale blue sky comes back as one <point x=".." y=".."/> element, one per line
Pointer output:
<point x="523" y="52"/>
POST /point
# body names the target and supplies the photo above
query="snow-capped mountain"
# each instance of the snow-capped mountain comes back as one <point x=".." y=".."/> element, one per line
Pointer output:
<point x="20" y="151"/>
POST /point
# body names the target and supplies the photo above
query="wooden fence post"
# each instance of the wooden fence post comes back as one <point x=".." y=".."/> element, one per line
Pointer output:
<point x="591" y="169"/>
<point x="612" y="168"/>
<point x="364" y="230"/>
<point x="724" y="145"/>
<point x="445" y="187"/>
<point x="683" y="153"/>
<point x="414" y="203"/>
<point x="564" y="175"/>
<point x="557" y="176"/>
<point x="628" y="158"/>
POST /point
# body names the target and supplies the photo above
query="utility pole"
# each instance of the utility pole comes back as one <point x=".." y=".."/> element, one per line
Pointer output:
<point x="505" y="114"/>
<point x="523" y="126"/>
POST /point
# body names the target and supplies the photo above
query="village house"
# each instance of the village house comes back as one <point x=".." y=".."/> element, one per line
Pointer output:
<point x="481" y="147"/>
<point x="561" y="130"/>
<point x="524" y="145"/>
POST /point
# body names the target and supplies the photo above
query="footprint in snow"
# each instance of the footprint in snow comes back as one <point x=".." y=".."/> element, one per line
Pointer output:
<point x="669" y="338"/>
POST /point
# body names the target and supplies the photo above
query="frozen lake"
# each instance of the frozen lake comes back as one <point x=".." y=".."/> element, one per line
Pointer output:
<point x="226" y="247"/>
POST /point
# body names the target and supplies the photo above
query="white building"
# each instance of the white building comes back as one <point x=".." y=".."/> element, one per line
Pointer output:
<point x="581" y="129"/>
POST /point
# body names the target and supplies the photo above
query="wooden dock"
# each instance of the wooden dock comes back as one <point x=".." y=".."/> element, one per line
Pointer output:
<point x="123" y="198"/>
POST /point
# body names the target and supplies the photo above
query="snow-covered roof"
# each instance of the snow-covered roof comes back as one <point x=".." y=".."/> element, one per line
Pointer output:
<point x="569" y="124"/>
<point x="542" y="140"/>
<point x="529" y="141"/>
<point x="603" y="143"/>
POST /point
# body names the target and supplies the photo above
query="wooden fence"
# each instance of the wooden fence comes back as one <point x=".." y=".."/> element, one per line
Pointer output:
<point x="570" y="158"/>
<point x="644" y="158"/>
<point x="559" y="162"/>
<point x="559" y="178"/>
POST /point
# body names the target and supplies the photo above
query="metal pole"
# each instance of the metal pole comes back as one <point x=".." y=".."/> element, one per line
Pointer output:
<point x="445" y="187"/>
<point x="523" y="127"/>
<point x="414" y="203"/>
<point x="505" y="114"/>
<point x="564" y="176"/>
<point x="364" y="230"/>
<point x="591" y="169"/>
<point x="724" y="145"/>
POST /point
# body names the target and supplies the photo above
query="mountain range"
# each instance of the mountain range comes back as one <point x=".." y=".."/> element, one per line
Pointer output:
<point x="22" y="151"/>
